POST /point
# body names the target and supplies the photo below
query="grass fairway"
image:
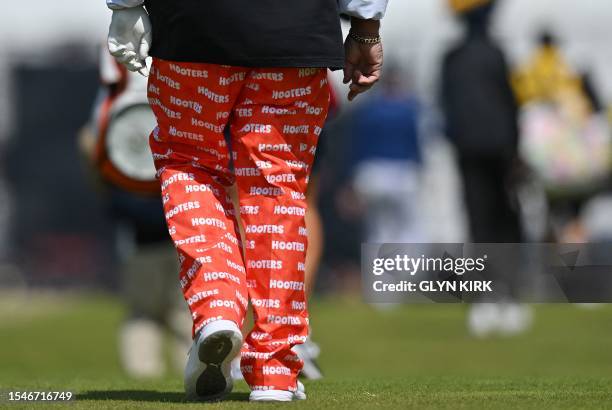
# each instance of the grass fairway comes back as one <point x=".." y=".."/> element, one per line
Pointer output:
<point x="412" y="357"/>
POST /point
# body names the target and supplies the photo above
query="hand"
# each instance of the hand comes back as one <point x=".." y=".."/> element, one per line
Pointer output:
<point x="129" y="38"/>
<point x="363" y="62"/>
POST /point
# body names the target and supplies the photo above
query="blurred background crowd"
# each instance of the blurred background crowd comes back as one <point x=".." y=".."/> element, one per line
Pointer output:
<point x="491" y="124"/>
<point x="472" y="116"/>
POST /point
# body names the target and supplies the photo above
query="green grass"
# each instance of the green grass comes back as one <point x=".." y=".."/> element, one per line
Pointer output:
<point x="417" y="357"/>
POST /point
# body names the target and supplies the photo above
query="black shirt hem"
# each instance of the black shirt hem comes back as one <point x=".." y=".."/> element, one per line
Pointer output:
<point x="333" y="63"/>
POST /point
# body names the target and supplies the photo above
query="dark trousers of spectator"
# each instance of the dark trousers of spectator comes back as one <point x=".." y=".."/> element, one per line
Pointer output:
<point x="490" y="200"/>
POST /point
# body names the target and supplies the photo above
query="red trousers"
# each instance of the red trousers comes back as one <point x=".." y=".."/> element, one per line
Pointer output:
<point x="275" y="116"/>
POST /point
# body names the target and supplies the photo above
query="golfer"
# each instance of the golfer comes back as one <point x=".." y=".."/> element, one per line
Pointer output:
<point x="259" y="68"/>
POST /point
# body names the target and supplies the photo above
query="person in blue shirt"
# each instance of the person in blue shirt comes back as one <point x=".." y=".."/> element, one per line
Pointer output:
<point x="387" y="157"/>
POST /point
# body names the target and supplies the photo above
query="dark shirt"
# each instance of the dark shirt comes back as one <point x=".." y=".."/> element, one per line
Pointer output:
<point x="477" y="99"/>
<point x="248" y="33"/>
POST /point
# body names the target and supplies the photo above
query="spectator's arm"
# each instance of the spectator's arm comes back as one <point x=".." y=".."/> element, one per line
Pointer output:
<point x="364" y="9"/>
<point x="123" y="4"/>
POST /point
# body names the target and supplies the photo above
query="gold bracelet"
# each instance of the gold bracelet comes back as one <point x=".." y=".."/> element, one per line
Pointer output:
<point x="363" y="39"/>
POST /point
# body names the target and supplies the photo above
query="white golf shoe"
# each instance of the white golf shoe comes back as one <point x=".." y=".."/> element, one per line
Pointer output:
<point x="208" y="369"/>
<point x="279" y="395"/>
<point x="504" y="319"/>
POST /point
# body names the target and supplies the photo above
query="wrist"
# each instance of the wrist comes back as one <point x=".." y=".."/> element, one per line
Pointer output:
<point x="366" y="28"/>
<point x="367" y="39"/>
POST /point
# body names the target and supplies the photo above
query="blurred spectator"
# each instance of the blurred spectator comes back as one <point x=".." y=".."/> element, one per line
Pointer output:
<point x="387" y="157"/>
<point x="565" y="139"/>
<point x="546" y="76"/>
<point x="481" y="120"/>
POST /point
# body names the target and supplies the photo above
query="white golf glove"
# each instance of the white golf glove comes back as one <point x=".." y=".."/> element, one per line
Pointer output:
<point x="129" y="38"/>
